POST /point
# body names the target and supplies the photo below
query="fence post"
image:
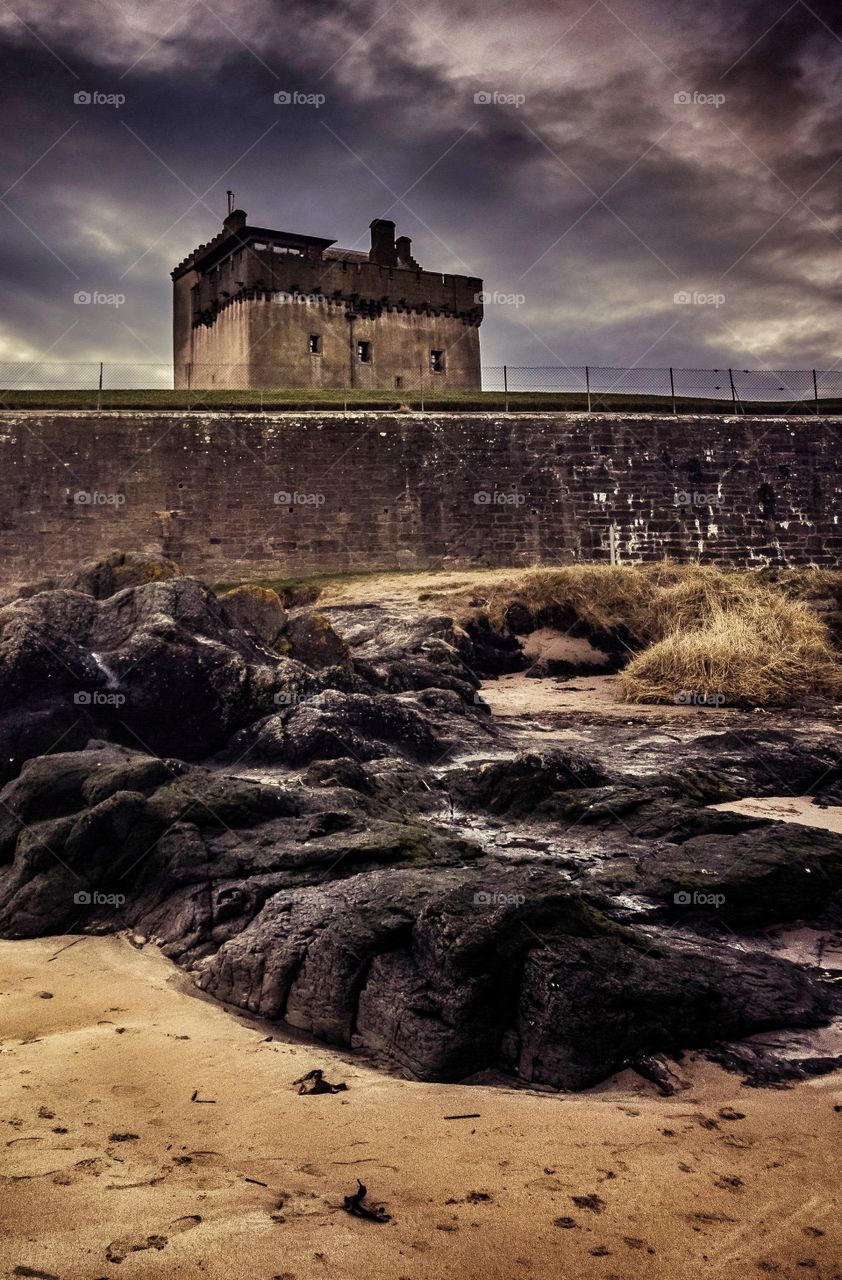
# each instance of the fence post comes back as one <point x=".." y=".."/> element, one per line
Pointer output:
<point x="816" y="391"/>
<point x="421" y="383"/>
<point x="506" y="388"/>
<point x="588" y="385"/>
<point x="733" y="389"/>
<point x="672" y="391"/>
<point x="99" y="389"/>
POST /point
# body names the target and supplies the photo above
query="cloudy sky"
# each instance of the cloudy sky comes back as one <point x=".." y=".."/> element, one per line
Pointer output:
<point x="590" y="159"/>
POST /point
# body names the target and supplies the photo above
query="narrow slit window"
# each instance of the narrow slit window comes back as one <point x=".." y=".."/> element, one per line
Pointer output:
<point x="364" y="352"/>
<point x="315" y="344"/>
<point x="437" y="361"/>
<point x="398" y="380"/>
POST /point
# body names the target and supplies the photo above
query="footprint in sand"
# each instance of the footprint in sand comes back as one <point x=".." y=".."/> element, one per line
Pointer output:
<point x="592" y="1202"/>
<point x="728" y="1182"/>
<point x="120" y="1249"/>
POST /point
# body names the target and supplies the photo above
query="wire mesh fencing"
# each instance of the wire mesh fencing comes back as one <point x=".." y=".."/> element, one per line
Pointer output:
<point x="585" y="388"/>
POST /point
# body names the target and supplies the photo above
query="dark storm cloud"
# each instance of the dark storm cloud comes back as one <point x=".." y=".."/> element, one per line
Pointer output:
<point x="598" y="198"/>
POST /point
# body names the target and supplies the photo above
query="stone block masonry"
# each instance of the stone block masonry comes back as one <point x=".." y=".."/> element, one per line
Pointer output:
<point x="233" y="496"/>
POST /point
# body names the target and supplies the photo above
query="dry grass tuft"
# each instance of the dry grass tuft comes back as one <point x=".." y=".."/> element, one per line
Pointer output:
<point x="728" y="637"/>
<point x="761" y="651"/>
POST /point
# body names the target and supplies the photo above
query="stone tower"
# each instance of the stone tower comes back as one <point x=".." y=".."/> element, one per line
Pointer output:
<point x="261" y="308"/>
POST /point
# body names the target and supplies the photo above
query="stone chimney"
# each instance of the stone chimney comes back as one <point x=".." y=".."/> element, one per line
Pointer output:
<point x="235" y="221"/>
<point x="403" y="249"/>
<point x="382" y="242"/>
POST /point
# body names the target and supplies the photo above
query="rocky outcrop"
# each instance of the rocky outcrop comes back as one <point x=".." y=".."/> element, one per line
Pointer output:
<point x="775" y="871"/>
<point x="366" y="854"/>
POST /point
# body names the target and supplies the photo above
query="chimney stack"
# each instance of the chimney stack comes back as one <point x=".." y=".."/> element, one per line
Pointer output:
<point x="403" y="247"/>
<point x="382" y="242"/>
<point x="235" y="221"/>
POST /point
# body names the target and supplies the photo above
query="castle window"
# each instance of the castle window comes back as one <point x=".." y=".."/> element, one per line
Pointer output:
<point x="364" y="352"/>
<point x="437" y="362"/>
<point x="398" y="380"/>
<point x="315" y="344"/>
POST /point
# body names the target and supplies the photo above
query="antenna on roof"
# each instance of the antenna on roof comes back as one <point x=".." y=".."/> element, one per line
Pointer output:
<point x="230" y="195"/>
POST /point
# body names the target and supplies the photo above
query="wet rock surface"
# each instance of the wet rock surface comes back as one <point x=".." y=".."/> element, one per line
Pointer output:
<point x="316" y="815"/>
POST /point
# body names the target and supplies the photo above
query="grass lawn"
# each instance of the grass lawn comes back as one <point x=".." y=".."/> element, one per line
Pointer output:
<point x="455" y="401"/>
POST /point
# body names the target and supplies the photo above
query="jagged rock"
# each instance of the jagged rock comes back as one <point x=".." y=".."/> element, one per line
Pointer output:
<point x="407" y="651"/>
<point x="455" y="971"/>
<point x="257" y="610"/>
<point x="310" y="638"/>
<point x="51" y="726"/>
<point x="591" y="1006"/>
<point x="157" y="665"/>
<point x="529" y="783"/>
<point x="120" y="569"/>
<point x="169" y="837"/>
<point x="496" y="910"/>
<point x="776" y="871"/>
<point x="333" y="724"/>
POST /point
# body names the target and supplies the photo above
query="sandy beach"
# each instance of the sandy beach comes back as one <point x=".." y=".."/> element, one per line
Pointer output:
<point x="148" y="1132"/>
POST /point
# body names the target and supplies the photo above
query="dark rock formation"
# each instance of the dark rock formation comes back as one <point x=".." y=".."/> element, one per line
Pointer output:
<point x="310" y="638"/>
<point x="368" y="855"/>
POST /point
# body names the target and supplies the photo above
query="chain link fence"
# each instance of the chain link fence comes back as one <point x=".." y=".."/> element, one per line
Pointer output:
<point x="107" y="384"/>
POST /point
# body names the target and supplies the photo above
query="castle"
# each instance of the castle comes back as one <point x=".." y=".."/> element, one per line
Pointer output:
<point x="260" y="308"/>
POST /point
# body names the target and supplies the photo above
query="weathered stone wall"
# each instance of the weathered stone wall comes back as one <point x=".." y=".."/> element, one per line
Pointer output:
<point x="244" y="494"/>
<point x="267" y="341"/>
